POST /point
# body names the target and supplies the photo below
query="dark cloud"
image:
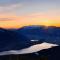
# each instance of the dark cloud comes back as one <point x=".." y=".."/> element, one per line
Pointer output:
<point x="4" y="19"/>
<point x="8" y="2"/>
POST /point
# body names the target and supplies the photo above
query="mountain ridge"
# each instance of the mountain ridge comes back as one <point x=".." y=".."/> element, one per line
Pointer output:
<point x="21" y="38"/>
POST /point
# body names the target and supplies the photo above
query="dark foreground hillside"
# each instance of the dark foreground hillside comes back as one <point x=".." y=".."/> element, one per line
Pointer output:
<point x="49" y="54"/>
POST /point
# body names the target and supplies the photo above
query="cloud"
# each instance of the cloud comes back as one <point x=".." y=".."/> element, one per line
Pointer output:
<point x="21" y="7"/>
<point x="10" y="8"/>
<point x="8" y="2"/>
<point x="5" y="19"/>
<point x="37" y="47"/>
<point x="31" y="49"/>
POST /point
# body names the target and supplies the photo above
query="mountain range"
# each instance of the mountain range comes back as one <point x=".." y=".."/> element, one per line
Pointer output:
<point x="16" y="39"/>
<point x="49" y="34"/>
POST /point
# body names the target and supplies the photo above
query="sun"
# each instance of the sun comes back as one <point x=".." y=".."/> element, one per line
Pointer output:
<point x="48" y="22"/>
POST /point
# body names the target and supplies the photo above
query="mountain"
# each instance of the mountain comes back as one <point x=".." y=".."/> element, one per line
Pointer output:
<point x="17" y="39"/>
<point x="27" y="36"/>
<point x="9" y="40"/>
<point x="49" y="34"/>
<point x="12" y="39"/>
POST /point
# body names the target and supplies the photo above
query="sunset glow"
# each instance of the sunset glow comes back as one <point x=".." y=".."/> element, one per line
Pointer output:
<point x="30" y="12"/>
<point x="17" y="22"/>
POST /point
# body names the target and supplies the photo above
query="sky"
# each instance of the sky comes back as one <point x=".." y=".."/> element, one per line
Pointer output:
<point x="18" y="13"/>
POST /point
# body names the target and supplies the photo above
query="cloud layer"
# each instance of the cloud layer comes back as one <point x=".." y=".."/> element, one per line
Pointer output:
<point x="31" y="49"/>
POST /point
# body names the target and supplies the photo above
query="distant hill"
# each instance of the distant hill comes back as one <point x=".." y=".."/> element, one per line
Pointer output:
<point x="9" y="40"/>
<point x="41" y="33"/>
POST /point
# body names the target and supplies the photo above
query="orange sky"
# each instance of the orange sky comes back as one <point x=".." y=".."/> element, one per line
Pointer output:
<point x="18" y="13"/>
<point x="13" y="21"/>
